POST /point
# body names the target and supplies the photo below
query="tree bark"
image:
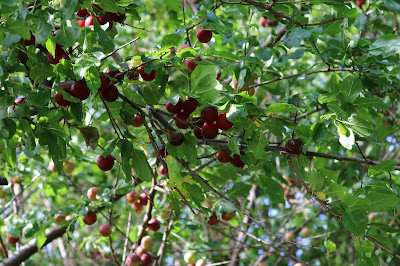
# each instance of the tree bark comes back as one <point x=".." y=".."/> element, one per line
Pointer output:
<point x="26" y="251"/>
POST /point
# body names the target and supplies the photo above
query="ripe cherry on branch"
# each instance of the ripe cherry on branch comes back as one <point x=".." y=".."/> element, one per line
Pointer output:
<point x="80" y="90"/>
<point x="209" y="130"/>
<point x="209" y="114"/>
<point x="106" y="163"/>
<point x="190" y="105"/>
<point x="174" y="109"/>
<point x="90" y="218"/>
<point x="105" y="229"/>
<point x="175" y="138"/>
<point x="184" y="117"/>
<point x="132" y="260"/>
<point x="190" y="64"/>
<point x="147" y="76"/>
<point x="213" y="220"/>
<point x="92" y="193"/>
<point x="237" y="161"/>
<point x="110" y="94"/>
<point x="223" y="123"/>
<point x="294" y="146"/>
<point x="204" y="36"/>
<point x="12" y="240"/>
<point x="223" y="156"/>
<point x="132" y="197"/>
<point x="153" y="224"/>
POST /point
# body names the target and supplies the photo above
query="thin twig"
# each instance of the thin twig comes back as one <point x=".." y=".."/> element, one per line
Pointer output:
<point x="119" y="48"/>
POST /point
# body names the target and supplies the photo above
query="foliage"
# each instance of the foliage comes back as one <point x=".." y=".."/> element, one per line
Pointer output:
<point x="322" y="72"/>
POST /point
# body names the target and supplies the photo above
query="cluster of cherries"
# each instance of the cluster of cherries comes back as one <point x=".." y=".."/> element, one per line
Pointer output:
<point x="142" y="252"/>
<point x="209" y="123"/>
<point x="87" y="17"/>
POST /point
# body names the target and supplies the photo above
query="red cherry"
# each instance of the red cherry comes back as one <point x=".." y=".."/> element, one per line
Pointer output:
<point x="59" y="98"/>
<point x="31" y="41"/>
<point x="360" y="3"/>
<point x="219" y="75"/>
<point x="105" y="230"/>
<point x="147" y="76"/>
<point x="236" y="161"/>
<point x="89" y="21"/>
<point x="294" y="146"/>
<point x="184" y="117"/>
<point x="82" y="13"/>
<point x="209" y="114"/>
<point x="183" y="46"/>
<point x="105" y="82"/>
<point x="223" y="123"/>
<point x="114" y="73"/>
<point x="203" y="36"/>
<point x="228" y="216"/>
<point x="132" y="197"/>
<point x="213" y="220"/>
<point x="162" y="170"/>
<point x="190" y="64"/>
<point x="138" y="120"/>
<point x="146" y="259"/>
<point x="56" y="58"/>
<point x="19" y="100"/>
<point x="92" y="193"/>
<point x="90" y="218"/>
<point x="153" y="224"/>
<point x="190" y="105"/>
<point x="81" y="22"/>
<point x="110" y="94"/>
<point x="141" y="250"/>
<point x="80" y="90"/>
<point x="223" y="156"/>
<point x="175" y="138"/>
<point x="107" y="163"/>
<point x="264" y="22"/>
<point x="174" y="109"/>
<point x="163" y="151"/>
<point x="12" y="240"/>
<point x="209" y="130"/>
<point x="132" y="260"/>
<point x="197" y="131"/>
<point x="143" y="198"/>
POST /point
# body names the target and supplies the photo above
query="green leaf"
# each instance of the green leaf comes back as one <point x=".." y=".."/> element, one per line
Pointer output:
<point x="360" y="127"/>
<point x="294" y="37"/>
<point x="280" y="108"/>
<point x="110" y="148"/>
<point x="330" y="246"/>
<point x="257" y="144"/>
<point x="152" y="93"/>
<point x="233" y="146"/>
<point x="382" y="168"/>
<point x="383" y="240"/>
<point x="18" y="27"/>
<point x="126" y="155"/>
<point x="69" y="33"/>
<point x="275" y="126"/>
<point x="189" y="148"/>
<point x="351" y="88"/>
<point x="51" y="45"/>
<point x="386" y="45"/>
<point x="237" y="113"/>
<point x="385" y="227"/>
<point x="392" y="5"/>
<point x="381" y="202"/>
<point x="41" y="237"/>
<point x="371" y="102"/>
<point x="272" y="188"/>
<point x="170" y="40"/>
<point x="205" y="84"/>
<point x="174" y="172"/>
<point x="355" y="221"/>
<point x="93" y="81"/>
<point x="239" y="189"/>
<point x="195" y="193"/>
<point x="105" y="40"/>
<point x="141" y="165"/>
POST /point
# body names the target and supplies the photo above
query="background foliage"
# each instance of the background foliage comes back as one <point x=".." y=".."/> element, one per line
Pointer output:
<point x="326" y="74"/>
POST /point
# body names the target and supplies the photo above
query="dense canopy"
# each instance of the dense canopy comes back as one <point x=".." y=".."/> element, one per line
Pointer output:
<point x="196" y="132"/>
